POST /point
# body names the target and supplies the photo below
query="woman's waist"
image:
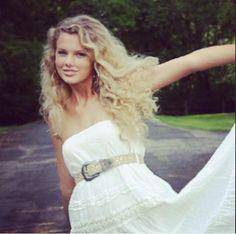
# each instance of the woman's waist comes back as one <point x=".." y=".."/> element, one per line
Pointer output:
<point x="121" y="180"/>
<point x="126" y="184"/>
<point x="92" y="169"/>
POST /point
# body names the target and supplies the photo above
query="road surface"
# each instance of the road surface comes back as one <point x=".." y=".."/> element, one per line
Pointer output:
<point x="30" y="198"/>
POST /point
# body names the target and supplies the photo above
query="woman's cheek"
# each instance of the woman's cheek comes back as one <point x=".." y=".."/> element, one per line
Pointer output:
<point x="59" y="63"/>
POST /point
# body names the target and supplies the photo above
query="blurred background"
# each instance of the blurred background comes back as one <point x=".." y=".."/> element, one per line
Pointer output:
<point x="166" y="29"/>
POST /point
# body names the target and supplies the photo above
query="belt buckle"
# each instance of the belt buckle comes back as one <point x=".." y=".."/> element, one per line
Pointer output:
<point x="84" y="171"/>
<point x="104" y="163"/>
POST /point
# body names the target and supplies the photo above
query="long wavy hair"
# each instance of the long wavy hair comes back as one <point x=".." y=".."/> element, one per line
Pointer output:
<point x="119" y="82"/>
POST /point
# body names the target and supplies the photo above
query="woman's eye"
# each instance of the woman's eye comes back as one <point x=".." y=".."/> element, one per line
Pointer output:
<point x="80" y="54"/>
<point x="61" y="53"/>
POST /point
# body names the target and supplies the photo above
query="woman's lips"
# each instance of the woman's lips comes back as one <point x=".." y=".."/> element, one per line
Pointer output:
<point x="69" y="72"/>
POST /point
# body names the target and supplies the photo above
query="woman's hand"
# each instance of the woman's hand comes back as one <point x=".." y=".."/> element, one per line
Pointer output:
<point x="199" y="60"/>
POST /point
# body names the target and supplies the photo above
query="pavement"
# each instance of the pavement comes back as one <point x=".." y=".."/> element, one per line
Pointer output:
<point x="30" y="199"/>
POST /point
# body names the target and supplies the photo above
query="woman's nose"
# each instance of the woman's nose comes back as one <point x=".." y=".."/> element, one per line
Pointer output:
<point x="69" y="60"/>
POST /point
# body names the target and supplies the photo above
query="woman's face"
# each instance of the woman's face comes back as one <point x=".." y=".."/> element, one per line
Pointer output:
<point x="73" y="63"/>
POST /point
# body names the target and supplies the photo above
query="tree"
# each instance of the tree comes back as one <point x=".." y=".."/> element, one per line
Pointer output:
<point x="165" y="29"/>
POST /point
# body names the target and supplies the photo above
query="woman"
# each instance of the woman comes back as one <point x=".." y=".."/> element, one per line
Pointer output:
<point x="95" y="97"/>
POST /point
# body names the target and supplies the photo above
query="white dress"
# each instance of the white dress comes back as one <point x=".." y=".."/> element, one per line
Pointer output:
<point x="131" y="199"/>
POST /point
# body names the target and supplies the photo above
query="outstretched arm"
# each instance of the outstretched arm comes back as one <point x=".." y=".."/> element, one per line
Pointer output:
<point x="199" y="60"/>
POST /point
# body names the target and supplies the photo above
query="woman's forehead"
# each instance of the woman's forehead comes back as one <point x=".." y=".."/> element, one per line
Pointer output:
<point x="67" y="40"/>
<point x="71" y="42"/>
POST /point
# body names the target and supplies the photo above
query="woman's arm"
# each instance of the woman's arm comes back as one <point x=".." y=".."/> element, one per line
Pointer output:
<point x="199" y="60"/>
<point x="66" y="181"/>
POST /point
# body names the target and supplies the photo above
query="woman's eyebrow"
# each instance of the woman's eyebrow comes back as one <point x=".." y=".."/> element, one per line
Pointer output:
<point x="81" y="50"/>
<point x="76" y="51"/>
<point x="61" y="49"/>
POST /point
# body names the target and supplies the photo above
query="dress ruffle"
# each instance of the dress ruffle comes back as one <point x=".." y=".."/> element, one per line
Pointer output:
<point x="131" y="199"/>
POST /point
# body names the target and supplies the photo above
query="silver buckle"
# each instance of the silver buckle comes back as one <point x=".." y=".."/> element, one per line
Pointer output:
<point x="104" y="163"/>
<point x="84" y="172"/>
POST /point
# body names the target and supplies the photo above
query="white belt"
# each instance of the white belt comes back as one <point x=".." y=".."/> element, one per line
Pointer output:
<point x="93" y="169"/>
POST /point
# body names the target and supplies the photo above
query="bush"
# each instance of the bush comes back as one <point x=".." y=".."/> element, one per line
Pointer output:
<point x="19" y="81"/>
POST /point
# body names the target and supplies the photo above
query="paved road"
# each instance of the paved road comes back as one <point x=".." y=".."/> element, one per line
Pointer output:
<point x="29" y="188"/>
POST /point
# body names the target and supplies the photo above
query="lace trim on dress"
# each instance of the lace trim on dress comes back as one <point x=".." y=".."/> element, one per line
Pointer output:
<point x="109" y="195"/>
<point x="100" y="199"/>
<point x="111" y="223"/>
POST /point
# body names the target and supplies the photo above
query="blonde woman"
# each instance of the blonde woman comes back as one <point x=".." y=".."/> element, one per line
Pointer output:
<point x="95" y="97"/>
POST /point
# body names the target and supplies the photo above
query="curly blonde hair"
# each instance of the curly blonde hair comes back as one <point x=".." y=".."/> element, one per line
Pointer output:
<point x="120" y="77"/>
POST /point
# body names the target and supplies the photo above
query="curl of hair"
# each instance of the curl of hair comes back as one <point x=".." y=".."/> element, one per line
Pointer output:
<point x="120" y="77"/>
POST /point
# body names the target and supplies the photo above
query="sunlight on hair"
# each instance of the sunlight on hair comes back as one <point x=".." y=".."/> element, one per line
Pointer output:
<point x="117" y="72"/>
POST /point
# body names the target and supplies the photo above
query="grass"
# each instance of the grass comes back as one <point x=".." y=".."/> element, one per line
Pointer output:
<point x="10" y="128"/>
<point x="213" y="122"/>
<point x="6" y="129"/>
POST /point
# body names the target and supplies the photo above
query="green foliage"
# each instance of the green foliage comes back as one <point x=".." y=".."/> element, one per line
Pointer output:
<point x="200" y="24"/>
<point x="6" y="129"/>
<point x="215" y="122"/>
<point x="165" y="29"/>
<point x="19" y="84"/>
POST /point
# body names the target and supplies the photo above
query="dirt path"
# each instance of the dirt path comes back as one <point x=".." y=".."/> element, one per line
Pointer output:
<point x="30" y="197"/>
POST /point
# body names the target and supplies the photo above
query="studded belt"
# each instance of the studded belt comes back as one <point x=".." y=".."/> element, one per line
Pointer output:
<point x="93" y="169"/>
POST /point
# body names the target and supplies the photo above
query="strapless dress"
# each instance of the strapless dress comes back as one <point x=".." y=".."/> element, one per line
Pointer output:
<point x="131" y="199"/>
